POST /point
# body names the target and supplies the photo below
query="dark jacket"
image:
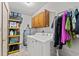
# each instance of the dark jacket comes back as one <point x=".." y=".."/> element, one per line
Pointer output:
<point x="77" y="21"/>
<point x="57" y="38"/>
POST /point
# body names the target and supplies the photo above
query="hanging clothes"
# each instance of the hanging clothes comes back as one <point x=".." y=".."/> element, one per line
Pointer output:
<point x="57" y="38"/>
<point x="64" y="35"/>
<point x="68" y="28"/>
<point x="65" y="29"/>
<point x="77" y="21"/>
<point x="73" y="21"/>
<point x="72" y="25"/>
<point x="53" y="22"/>
<point x="52" y="25"/>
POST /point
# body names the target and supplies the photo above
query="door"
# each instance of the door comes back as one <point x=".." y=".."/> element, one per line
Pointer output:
<point x="5" y="29"/>
<point x="41" y="19"/>
<point x="36" y="22"/>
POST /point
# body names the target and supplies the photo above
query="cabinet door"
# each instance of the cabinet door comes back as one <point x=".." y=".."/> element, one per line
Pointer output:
<point x="36" y="22"/>
<point x="46" y="18"/>
<point x="39" y="48"/>
<point x="34" y="49"/>
<point x="33" y="22"/>
<point x="41" y="19"/>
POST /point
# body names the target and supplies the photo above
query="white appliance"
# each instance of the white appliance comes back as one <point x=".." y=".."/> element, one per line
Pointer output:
<point x="39" y="44"/>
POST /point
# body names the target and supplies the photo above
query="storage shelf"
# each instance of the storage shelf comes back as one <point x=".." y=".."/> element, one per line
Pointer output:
<point x="13" y="28"/>
<point x="14" y="44"/>
<point x="14" y="20"/>
<point x="13" y="51"/>
<point x="13" y="35"/>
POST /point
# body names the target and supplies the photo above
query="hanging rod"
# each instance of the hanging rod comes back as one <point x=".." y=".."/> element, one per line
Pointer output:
<point x="64" y="10"/>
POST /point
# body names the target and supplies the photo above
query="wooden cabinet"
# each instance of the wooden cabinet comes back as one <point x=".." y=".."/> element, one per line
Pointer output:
<point x="41" y="20"/>
<point x="46" y="18"/>
<point x="36" y="22"/>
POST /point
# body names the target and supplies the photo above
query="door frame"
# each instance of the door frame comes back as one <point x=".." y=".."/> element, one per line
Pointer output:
<point x="2" y="27"/>
<point x="1" y="51"/>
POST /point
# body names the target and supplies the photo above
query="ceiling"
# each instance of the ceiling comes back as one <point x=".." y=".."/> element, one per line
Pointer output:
<point x="21" y="7"/>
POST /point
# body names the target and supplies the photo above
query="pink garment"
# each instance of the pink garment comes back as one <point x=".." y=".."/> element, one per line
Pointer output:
<point x="64" y="35"/>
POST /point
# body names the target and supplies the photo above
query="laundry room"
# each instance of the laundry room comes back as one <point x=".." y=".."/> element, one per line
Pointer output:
<point x="39" y="28"/>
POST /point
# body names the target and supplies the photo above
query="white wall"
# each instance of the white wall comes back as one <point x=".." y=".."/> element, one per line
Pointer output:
<point x="26" y="20"/>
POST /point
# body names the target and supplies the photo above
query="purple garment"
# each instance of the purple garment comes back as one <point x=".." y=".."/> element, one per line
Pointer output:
<point x="64" y="35"/>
